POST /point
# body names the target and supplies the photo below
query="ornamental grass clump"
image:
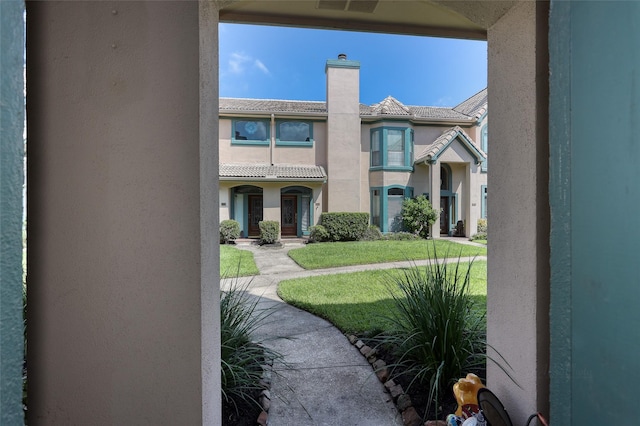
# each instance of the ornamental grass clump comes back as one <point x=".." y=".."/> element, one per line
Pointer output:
<point x="436" y="335"/>
<point x="242" y="357"/>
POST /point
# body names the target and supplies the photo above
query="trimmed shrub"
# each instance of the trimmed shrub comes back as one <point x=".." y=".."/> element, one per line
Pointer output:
<point x="269" y="230"/>
<point x="318" y="234"/>
<point x="401" y="236"/>
<point x="482" y="225"/>
<point x="345" y="226"/>
<point x="479" y="236"/>
<point x="372" y="234"/>
<point x="229" y="231"/>
<point x="418" y="215"/>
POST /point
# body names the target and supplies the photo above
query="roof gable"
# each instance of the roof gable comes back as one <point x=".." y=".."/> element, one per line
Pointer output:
<point x="444" y="141"/>
<point x="390" y="106"/>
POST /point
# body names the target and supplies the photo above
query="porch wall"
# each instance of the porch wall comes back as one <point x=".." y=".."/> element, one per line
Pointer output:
<point x="518" y="268"/>
<point x="122" y="298"/>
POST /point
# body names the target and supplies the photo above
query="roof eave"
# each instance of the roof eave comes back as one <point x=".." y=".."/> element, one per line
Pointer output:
<point x="453" y="122"/>
<point x="270" y="179"/>
<point x="268" y="114"/>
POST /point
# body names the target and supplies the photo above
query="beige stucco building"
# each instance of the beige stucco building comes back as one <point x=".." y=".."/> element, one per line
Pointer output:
<point x="123" y="255"/>
<point x="289" y="161"/>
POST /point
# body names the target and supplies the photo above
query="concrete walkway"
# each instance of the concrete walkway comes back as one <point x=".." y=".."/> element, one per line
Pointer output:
<point x="326" y="381"/>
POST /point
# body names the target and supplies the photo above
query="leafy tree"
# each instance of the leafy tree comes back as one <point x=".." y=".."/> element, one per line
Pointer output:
<point x="418" y="215"/>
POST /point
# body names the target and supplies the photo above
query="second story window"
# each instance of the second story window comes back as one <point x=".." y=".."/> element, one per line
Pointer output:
<point x="395" y="147"/>
<point x="294" y="133"/>
<point x="250" y="132"/>
<point x="485" y="147"/>
<point x="392" y="148"/>
<point x="376" y="156"/>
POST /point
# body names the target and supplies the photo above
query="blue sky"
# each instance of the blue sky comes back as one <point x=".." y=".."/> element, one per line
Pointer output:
<point x="288" y="63"/>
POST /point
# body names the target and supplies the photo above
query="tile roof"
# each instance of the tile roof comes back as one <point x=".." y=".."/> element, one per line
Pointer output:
<point x="471" y="109"/>
<point x="475" y="106"/>
<point x="442" y="142"/>
<point x="271" y="105"/>
<point x="390" y="106"/>
<point x="437" y="112"/>
<point x="272" y="172"/>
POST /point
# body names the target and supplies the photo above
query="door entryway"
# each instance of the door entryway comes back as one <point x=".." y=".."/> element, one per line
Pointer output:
<point x="289" y="215"/>
<point x="444" y="215"/>
<point x="255" y="215"/>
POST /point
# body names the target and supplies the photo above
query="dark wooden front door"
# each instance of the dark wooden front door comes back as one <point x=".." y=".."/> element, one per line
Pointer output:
<point x="255" y="215"/>
<point x="444" y="215"/>
<point x="289" y="215"/>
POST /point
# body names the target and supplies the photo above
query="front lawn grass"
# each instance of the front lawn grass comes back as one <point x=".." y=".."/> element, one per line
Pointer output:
<point x="236" y="263"/>
<point x="357" y="302"/>
<point x="330" y="255"/>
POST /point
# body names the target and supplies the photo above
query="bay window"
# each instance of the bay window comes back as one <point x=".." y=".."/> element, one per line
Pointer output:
<point x="386" y="207"/>
<point x="392" y="148"/>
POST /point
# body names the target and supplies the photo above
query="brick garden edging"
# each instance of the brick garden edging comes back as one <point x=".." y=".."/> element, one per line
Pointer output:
<point x="265" y="394"/>
<point x="402" y="400"/>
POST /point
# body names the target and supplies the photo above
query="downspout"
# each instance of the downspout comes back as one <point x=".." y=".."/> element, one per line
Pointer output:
<point x="273" y="138"/>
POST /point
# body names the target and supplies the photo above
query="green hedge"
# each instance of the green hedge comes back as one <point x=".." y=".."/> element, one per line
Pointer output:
<point x="229" y="231"/>
<point x="318" y="234"/>
<point x="345" y="226"/>
<point x="269" y="230"/>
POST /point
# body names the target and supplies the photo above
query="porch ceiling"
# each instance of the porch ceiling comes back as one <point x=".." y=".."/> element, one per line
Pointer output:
<point x="442" y="18"/>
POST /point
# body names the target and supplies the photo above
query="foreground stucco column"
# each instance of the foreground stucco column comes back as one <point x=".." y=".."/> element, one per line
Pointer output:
<point x="123" y="323"/>
<point x="518" y="267"/>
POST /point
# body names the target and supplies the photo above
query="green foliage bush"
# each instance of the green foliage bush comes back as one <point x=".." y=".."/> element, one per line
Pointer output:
<point x="229" y="231"/>
<point x="482" y="225"/>
<point x="402" y="236"/>
<point x="318" y="234"/>
<point x="242" y="358"/>
<point x="269" y="231"/>
<point x="372" y="234"/>
<point x="418" y="215"/>
<point x="479" y="236"/>
<point x="435" y="333"/>
<point x="345" y="226"/>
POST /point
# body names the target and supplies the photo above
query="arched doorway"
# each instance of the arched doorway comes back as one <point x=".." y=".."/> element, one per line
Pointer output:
<point x="246" y="208"/>
<point x="295" y="211"/>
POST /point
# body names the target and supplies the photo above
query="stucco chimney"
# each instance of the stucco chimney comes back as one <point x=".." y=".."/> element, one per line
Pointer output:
<point x="343" y="134"/>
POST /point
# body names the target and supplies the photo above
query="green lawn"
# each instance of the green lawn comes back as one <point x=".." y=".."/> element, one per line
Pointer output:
<point x="236" y="263"/>
<point x="328" y="255"/>
<point x="356" y="302"/>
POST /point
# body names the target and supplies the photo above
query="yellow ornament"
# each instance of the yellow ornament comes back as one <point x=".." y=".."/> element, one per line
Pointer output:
<point x="466" y="392"/>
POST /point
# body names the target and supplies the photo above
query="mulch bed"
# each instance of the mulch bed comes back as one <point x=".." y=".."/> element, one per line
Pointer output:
<point x="246" y="413"/>
<point x="419" y="392"/>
